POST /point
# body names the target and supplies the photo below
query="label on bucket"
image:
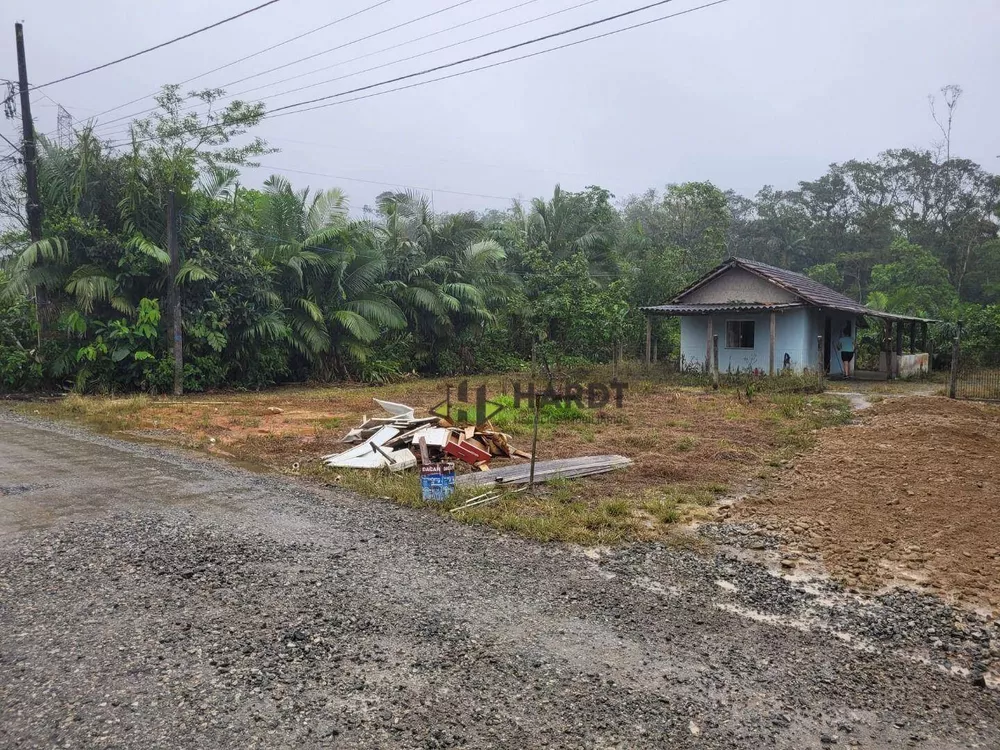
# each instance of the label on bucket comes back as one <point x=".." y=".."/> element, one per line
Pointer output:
<point x="437" y="481"/>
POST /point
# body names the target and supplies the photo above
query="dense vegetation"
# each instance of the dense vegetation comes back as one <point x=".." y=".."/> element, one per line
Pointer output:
<point x="285" y="284"/>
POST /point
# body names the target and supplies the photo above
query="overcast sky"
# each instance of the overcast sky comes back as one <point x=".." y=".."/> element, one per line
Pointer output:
<point x="746" y="93"/>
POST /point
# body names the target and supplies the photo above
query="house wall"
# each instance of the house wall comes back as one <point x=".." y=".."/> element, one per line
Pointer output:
<point x="738" y="285"/>
<point x="795" y="334"/>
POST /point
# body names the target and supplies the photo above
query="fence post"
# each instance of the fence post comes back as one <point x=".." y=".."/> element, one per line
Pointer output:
<point x="953" y="383"/>
<point x="819" y="362"/>
<point x="715" y="361"/>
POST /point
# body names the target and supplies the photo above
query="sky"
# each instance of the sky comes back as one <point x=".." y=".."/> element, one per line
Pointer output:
<point x="745" y="93"/>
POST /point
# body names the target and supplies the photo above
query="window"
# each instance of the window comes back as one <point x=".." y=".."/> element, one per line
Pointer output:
<point x="739" y="334"/>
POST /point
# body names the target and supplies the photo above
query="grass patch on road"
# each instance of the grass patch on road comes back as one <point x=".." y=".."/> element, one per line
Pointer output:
<point x="688" y="444"/>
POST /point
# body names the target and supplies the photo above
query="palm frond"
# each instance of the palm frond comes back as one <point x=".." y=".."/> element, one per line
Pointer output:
<point x="191" y="271"/>
<point x="144" y="246"/>
<point x="90" y="284"/>
<point x="355" y="324"/>
<point x="53" y="250"/>
<point x="380" y="311"/>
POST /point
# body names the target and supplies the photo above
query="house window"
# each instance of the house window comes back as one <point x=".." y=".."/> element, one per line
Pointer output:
<point x="739" y="334"/>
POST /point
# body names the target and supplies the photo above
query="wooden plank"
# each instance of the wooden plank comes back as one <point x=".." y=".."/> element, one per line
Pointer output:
<point x="465" y="450"/>
<point x="774" y="329"/>
<point x="545" y="470"/>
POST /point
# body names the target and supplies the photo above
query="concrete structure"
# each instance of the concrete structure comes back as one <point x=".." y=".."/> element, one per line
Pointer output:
<point x="745" y="316"/>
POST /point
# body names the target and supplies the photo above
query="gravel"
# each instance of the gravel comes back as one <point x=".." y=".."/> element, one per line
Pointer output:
<point x="150" y="599"/>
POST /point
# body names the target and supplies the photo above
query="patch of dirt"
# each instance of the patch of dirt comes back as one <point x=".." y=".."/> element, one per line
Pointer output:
<point x="908" y="495"/>
<point x="674" y="436"/>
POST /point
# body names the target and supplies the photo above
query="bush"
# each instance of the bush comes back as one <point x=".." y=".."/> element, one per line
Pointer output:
<point x="19" y="367"/>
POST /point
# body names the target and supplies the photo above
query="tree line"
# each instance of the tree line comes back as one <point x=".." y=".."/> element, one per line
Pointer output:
<point x="285" y="284"/>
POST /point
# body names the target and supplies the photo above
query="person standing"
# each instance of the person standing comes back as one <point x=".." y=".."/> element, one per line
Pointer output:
<point x="845" y="345"/>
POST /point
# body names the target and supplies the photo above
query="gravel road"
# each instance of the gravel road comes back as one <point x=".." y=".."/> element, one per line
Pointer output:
<point x="150" y="599"/>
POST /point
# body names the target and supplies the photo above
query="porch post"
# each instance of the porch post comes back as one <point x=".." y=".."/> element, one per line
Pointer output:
<point x="774" y="325"/>
<point x="899" y="346"/>
<point x="649" y="338"/>
<point x="708" y="347"/>
<point x="913" y="337"/>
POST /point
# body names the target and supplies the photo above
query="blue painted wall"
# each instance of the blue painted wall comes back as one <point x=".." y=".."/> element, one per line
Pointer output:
<point x="795" y="335"/>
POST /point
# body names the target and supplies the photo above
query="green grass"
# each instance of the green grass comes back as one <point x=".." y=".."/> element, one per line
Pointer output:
<point x="103" y="414"/>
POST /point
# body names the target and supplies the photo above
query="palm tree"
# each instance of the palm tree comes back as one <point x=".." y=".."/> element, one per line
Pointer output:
<point x="328" y="272"/>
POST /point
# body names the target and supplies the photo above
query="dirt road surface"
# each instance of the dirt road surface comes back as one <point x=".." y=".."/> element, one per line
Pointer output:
<point x="909" y="493"/>
<point x="149" y="599"/>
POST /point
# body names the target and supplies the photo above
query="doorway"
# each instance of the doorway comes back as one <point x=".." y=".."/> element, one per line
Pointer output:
<point x="827" y="332"/>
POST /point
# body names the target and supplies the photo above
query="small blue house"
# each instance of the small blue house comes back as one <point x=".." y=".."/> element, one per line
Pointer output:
<point x="766" y="319"/>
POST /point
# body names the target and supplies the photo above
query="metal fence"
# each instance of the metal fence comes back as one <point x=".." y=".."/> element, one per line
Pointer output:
<point x="978" y="378"/>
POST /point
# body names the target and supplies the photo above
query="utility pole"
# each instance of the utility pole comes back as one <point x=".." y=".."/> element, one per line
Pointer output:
<point x="34" y="205"/>
<point x="174" y="293"/>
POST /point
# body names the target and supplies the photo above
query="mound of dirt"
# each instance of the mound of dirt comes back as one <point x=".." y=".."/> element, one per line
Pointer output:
<point x="908" y="494"/>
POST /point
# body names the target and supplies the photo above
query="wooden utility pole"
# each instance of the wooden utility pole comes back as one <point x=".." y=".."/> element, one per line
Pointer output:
<point x="174" y="293"/>
<point x="34" y="204"/>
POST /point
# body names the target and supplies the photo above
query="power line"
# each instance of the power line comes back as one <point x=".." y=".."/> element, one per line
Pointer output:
<point x="310" y="57"/>
<point x="497" y="64"/>
<point x="436" y="159"/>
<point x="387" y="184"/>
<point x="424" y="54"/>
<point x="290" y="109"/>
<point x="376" y="52"/>
<point x="253" y="54"/>
<point x="14" y="145"/>
<point x="508" y="48"/>
<point x="158" y="46"/>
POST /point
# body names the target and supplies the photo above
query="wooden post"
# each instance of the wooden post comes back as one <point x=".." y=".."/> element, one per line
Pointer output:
<point x="774" y="328"/>
<point x="715" y="361"/>
<point x="174" y="293"/>
<point x="534" y="446"/>
<point x="708" y="347"/>
<point x="649" y="339"/>
<point x="819" y="361"/>
<point x="899" y="347"/>
<point x="955" y="345"/>
<point x="913" y="337"/>
<point x="887" y="346"/>
<point x="923" y="335"/>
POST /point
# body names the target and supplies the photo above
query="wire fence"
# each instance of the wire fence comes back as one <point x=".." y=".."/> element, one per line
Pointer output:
<point x="978" y="377"/>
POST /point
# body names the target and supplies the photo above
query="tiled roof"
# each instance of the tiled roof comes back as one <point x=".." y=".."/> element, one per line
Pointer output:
<point x="708" y="309"/>
<point x="809" y="291"/>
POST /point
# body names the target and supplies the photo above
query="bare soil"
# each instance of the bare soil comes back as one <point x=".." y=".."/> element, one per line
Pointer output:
<point x="688" y="446"/>
<point x="908" y="494"/>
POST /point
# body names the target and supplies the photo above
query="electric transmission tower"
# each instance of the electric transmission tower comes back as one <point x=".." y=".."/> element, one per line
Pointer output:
<point x="64" y="127"/>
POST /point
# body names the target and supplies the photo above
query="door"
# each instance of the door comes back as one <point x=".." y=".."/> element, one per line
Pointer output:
<point x="827" y="332"/>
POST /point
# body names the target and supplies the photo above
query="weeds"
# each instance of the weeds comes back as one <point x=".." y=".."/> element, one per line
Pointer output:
<point x="685" y="444"/>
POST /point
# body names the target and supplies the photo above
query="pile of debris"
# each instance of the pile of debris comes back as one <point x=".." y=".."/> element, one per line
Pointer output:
<point x="400" y="440"/>
<point x="395" y="441"/>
